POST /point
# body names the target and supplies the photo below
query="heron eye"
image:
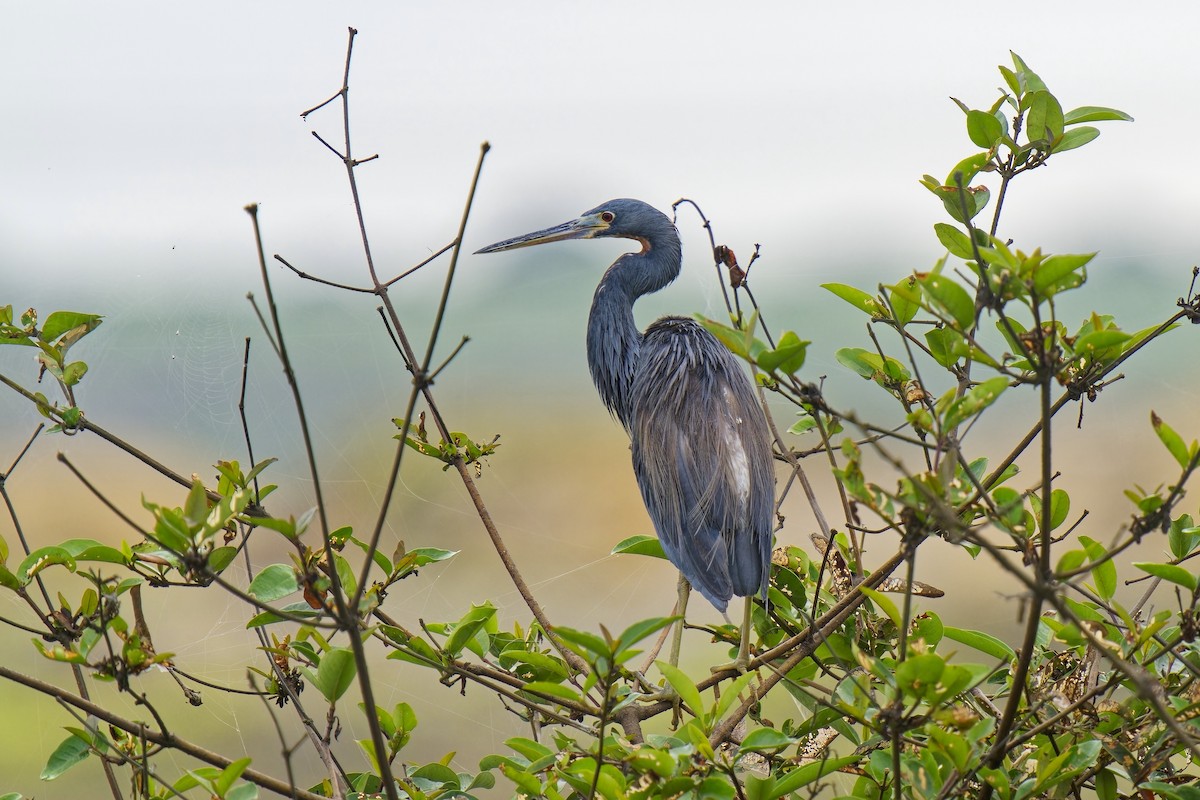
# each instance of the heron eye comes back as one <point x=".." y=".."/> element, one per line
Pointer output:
<point x="607" y="216"/>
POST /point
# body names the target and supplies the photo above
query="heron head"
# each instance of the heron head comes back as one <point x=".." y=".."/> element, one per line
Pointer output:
<point x="623" y="218"/>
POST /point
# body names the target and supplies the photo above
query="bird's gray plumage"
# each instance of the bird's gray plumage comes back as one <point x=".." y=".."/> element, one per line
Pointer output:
<point x="700" y="441"/>
<point x="702" y="460"/>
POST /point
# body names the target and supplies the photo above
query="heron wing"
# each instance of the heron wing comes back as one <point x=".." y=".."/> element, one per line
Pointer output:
<point x="702" y="457"/>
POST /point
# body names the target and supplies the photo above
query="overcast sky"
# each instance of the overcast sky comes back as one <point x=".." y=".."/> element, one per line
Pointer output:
<point x="134" y="128"/>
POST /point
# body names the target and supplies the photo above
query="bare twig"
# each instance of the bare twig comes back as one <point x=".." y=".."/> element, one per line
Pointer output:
<point x="315" y="279"/>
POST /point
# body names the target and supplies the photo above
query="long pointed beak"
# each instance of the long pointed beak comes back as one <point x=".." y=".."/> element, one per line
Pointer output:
<point x="582" y="228"/>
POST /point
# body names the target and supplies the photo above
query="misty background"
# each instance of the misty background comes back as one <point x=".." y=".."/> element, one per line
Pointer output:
<point x="134" y="134"/>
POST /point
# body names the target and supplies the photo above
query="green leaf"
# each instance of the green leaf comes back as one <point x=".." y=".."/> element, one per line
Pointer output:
<point x="1182" y="536"/>
<point x="60" y="653"/>
<point x="583" y="773"/>
<point x="1044" y="119"/>
<point x="287" y="527"/>
<point x="1106" y="785"/>
<point x="42" y="558"/>
<point x="231" y="773"/>
<point x="553" y="690"/>
<point x="640" y="630"/>
<point x="1059" y="272"/>
<point x="8" y="580"/>
<point x="787" y="357"/>
<point x="220" y="558"/>
<point x="415" y="651"/>
<point x="904" y="306"/>
<point x="1010" y="78"/>
<point x="244" y="791"/>
<point x="953" y="299"/>
<point x="1099" y="341"/>
<point x="853" y="358"/>
<point x="975" y="198"/>
<point x="965" y="170"/>
<point x="731" y="694"/>
<point x="1076" y="137"/>
<point x="683" y="687"/>
<point x="1079" y="757"/>
<point x="1137" y="338"/>
<point x="928" y="626"/>
<point x="956" y="678"/>
<point x="885" y="605"/>
<point x="304" y="520"/>
<point x="1169" y="572"/>
<point x="857" y="298"/>
<point x="91" y="550"/>
<point x="273" y="582"/>
<point x="648" y="759"/>
<point x="765" y="739"/>
<point x="975" y="400"/>
<point x="258" y="468"/>
<point x="984" y="129"/>
<point x="195" y="507"/>
<point x="1060" y="507"/>
<point x="414" y="559"/>
<point x="73" y="373"/>
<point x="334" y="674"/>
<point x="919" y="674"/>
<point x="954" y="240"/>
<point x="1017" y="328"/>
<point x="534" y="751"/>
<point x="1172" y="440"/>
<point x="885" y="371"/>
<point x="61" y="322"/>
<point x="800" y="777"/>
<point x="908" y="290"/>
<point x="437" y="774"/>
<point x="70" y="751"/>
<point x="1094" y="114"/>
<point x="641" y="545"/>
<point x="1104" y="572"/>
<point x="346" y="574"/>
<point x="739" y="342"/>
<point x="1031" y="80"/>
<point x="715" y="788"/>
<point x="526" y="784"/>
<point x="946" y="345"/>
<point x="983" y="642"/>
<point x="539" y="665"/>
<point x="483" y="780"/>
<point x="404" y="717"/>
<point x="582" y="642"/>
<point x="467" y="628"/>
<point x="1167" y="791"/>
<point x="299" y="609"/>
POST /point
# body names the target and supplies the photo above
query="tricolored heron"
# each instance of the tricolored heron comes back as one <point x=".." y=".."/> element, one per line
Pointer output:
<point x="700" y="440"/>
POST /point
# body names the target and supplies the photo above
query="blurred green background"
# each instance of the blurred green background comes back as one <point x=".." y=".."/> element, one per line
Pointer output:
<point x="135" y="134"/>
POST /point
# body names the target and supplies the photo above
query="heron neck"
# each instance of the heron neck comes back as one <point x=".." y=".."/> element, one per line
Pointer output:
<point x="614" y="341"/>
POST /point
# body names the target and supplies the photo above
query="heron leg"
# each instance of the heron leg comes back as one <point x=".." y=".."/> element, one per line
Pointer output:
<point x="743" y="656"/>
<point x="742" y="663"/>
<point x="684" y="589"/>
